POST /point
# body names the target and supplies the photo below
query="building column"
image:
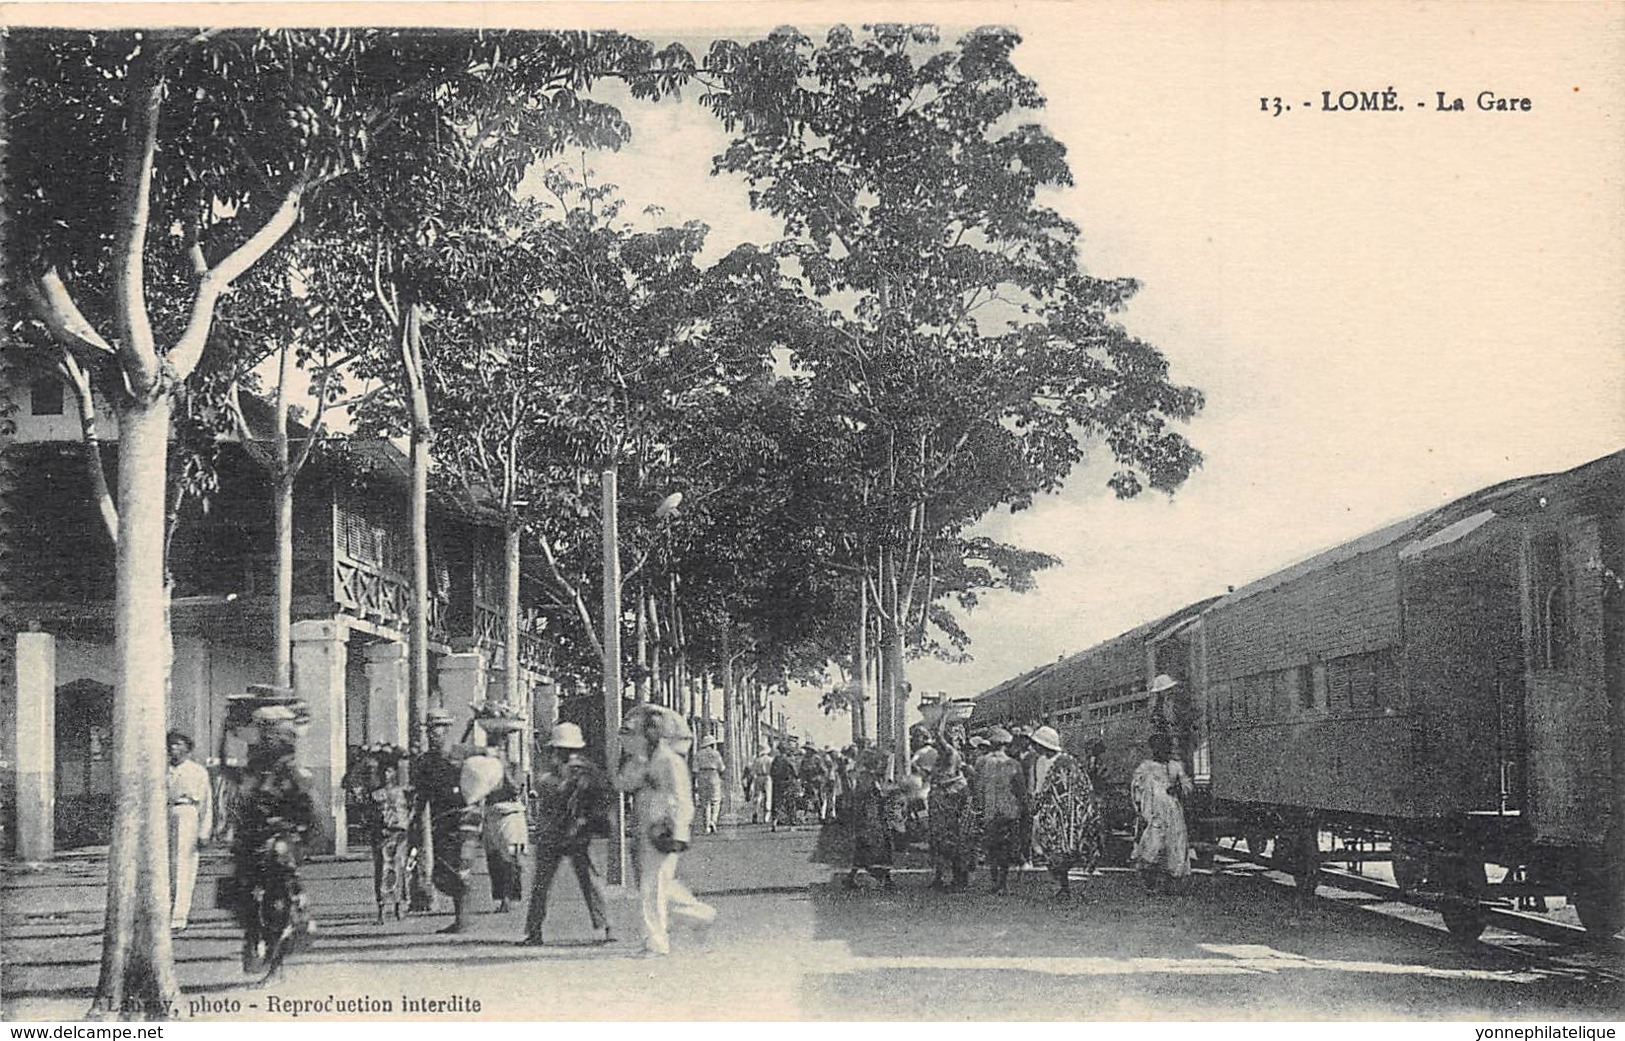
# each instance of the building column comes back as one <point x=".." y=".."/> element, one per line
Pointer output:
<point x="461" y="679"/>
<point x="544" y="703"/>
<point x="189" y="691"/>
<point x="36" y="746"/>
<point x="388" y="693"/>
<point x="319" y="658"/>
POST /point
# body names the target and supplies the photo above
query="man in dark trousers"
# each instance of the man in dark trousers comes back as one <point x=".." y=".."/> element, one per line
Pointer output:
<point x="573" y="796"/>
<point x="454" y="831"/>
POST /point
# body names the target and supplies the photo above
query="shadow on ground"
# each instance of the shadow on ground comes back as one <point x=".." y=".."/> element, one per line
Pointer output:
<point x="1224" y="948"/>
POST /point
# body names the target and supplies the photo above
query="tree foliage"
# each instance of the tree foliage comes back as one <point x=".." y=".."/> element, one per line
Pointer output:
<point x="972" y="357"/>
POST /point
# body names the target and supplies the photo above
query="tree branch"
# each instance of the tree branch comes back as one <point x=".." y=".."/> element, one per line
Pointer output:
<point x="55" y="307"/>
<point x="188" y="350"/>
<point x="79" y="380"/>
<point x="387" y="301"/>
<point x="137" y="352"/>
<point x="571" y="591"/>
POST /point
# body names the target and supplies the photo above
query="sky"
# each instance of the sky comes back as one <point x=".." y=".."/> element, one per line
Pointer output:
<point x="1385" y="310"/>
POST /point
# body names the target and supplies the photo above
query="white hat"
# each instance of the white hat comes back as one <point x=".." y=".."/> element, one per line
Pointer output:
<point x="1163" y="682"/>
<point x="708" y="742"/>
<point x="271" y="714"/>
<point x="1046" y="737"/>
<point x="567" y="735"/>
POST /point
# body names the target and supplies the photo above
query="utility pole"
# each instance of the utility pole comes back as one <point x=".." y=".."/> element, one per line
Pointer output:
<point x="616" y="870"/>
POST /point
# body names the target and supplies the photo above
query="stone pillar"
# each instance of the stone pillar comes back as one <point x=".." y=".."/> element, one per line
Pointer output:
<point x="544" y="704"/>
<point x="461" y="679"/>
<point x="319" y="658"/>
<point x="36" y="746"/>
<point x="189" y="693"/>
<point x="388" y="693"/>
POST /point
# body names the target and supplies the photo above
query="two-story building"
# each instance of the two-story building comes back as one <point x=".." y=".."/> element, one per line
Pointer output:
<point x="351" y="583"/>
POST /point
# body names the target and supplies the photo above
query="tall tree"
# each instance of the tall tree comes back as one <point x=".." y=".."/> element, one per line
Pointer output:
<point x="977" y="356"/>
<point x="147" y="172"/>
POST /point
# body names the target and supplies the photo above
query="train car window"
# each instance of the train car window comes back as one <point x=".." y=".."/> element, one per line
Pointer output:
<point x="1302" y="686"/>
<point x="1337" y="685"/>
<point x="1364" y="693"/>
<point x="1387" y="679"/>
<point x="1552" y="597"/>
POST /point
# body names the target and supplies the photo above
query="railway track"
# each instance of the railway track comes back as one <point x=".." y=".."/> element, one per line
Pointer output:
<point x="1557" y="939"/>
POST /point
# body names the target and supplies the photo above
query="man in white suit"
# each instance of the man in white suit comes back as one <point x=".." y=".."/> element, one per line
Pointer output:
<point x="191" y="822"/>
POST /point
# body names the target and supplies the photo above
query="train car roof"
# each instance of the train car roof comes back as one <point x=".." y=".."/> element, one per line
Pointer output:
<point x="1145" y="631"/>
<point x="1599" y="483"/>
<point x="1447" y="523"/>
<point x="1599" y="479"/>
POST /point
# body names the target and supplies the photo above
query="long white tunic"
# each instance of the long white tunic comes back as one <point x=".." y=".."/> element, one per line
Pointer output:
<point x="1164" y="842"/>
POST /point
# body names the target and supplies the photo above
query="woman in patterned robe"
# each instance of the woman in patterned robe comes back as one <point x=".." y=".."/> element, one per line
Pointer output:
<point x="1066" y="815"/>
<point x="951" y="815"/>
<point x="390" y="820"/>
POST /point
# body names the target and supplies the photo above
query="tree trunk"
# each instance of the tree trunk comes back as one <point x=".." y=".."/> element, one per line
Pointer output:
<point x="282" y="612"/>
<point x="734" y="731"/>
<point x="616" y="872"/>
<point x="422" y="435"/>
<point x="640" y="686"/>
<point x="896" y="702"/>
<point x="860" y="669"/>
<point x="657" y="679"/>
<point x="884" y="736"/>
<point x="510" y="634"/>
<point x="138" y="959"/>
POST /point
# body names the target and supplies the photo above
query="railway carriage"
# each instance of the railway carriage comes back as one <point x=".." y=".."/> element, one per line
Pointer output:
<point x="1444" y="693"/>
<point x="1102" y="693"/>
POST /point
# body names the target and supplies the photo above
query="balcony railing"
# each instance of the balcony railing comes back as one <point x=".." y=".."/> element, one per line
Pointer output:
<point x="384" y="596"/>
<point x="489" y="632"/>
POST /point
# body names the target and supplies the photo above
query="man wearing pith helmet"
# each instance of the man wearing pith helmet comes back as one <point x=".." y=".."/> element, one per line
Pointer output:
<point x="437" y="780"/>
<point x="573" y="799"/>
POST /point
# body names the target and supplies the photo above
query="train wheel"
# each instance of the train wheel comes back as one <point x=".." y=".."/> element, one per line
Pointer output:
<point x="1410" y="868"/>
<point x="1296" y="853"/>
<point x="1463" y="914"/>
<point x="1256" y="841"/>
<point x="1600" y="905"/>
<point x="1303" y="856"/>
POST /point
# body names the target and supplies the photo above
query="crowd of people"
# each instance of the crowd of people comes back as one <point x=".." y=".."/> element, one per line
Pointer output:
<point x="1000" y="799"/>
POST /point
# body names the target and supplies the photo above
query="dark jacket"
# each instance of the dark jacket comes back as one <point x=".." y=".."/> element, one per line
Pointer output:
<point x="572" y="802"/>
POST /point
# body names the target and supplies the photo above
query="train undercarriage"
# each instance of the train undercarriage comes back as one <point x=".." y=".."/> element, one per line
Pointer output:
<point x="1461" y="866"/>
